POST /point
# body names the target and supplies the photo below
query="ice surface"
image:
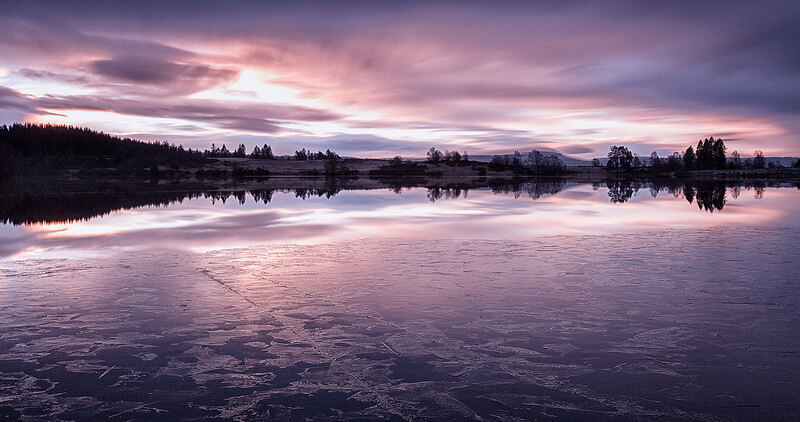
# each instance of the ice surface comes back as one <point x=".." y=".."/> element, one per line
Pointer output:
<point x="674" y="324"/>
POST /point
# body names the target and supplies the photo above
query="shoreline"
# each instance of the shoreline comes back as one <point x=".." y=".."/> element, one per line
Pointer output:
<point x="46" y="185"/>
<point x="227" y="172"/>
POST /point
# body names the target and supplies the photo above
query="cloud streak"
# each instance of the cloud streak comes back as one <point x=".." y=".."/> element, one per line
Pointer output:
<point x="575" y="75"/>
<point x="172" y="77"/>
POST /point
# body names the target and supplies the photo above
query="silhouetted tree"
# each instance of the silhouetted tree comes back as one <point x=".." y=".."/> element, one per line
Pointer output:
<point x="655" y="162"/>
<point x="736" y="160"/>
<point x="689" y="159"/>
<point x="266" y="152"/>
<point x="759" y="162"/>
<point x="535" y="158"/>
<point x="452" y="157"/>
<point x="434" y="155"/>
<point x="619" y="159"/>
<point x="516" y="159"/>
<point x="544" y="164"/>
<point x="595" y="162"/>
<point x="711" y="154"/>
<point x="718" y="154"/>
<point x="674" y="162"/>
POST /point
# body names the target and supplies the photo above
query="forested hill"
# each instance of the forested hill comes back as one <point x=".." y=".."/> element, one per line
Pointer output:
<point x="19" y="141"/>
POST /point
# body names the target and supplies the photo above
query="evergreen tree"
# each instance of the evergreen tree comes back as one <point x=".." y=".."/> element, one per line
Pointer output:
<point x="718" y="158"/>
<point x="241" y="151"/>
<point x="689" y="159"/>
<point x="266" y="152"/>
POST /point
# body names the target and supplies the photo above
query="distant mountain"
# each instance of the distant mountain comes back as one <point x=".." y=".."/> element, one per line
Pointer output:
<point x="567" y="160"/>
<point x="784" y="161"/>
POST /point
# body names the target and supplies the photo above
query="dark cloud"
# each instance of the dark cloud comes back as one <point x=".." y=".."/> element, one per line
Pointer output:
<point x="13" y="100"/>
<point x="39" y="39"/>
<point x="265" y="118"/>
<point x="48" y="75"/>
<point x="182" y="78"/>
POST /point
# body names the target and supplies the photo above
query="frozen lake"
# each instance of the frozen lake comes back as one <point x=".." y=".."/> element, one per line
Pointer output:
<point x="518" y="303"/>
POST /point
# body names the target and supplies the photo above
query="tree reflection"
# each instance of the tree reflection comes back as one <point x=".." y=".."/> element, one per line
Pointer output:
<point x="710" y="195"/>
<point x="688" y="193"/>
<point x="534" y="189"/>
<point x="620" y="191"/>
<point x="449" y="192"/>
<point x="31" y="207"/>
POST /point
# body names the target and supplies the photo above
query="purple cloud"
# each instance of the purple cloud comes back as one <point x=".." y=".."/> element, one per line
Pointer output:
<point x="577" y="75"/>
<point x="175" y="78"/>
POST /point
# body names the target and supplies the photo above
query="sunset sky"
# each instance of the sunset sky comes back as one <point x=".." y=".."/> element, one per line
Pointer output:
<point x="378" y="79"/>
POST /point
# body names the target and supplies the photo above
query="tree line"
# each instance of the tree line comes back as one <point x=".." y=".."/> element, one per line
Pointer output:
<point x="533" y="163"/>
<point x="436" y="156"/>
<point x="83" y="145"/>
<point x="710" y="154"/>
<point x="265" y="153"/>
<point x="45" y="146"/>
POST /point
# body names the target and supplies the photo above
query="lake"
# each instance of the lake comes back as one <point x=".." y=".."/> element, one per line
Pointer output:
<point x="527" y="301"/>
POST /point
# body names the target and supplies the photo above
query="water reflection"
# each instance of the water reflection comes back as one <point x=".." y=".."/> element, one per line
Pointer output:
<point x="534" y="190"/>
<point x="710" y="195"/>
<point x="61" y="224"/>
<point x="23" y="209"/>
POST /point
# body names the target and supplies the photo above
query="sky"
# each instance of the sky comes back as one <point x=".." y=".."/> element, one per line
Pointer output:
<point x="377" y="79"/>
